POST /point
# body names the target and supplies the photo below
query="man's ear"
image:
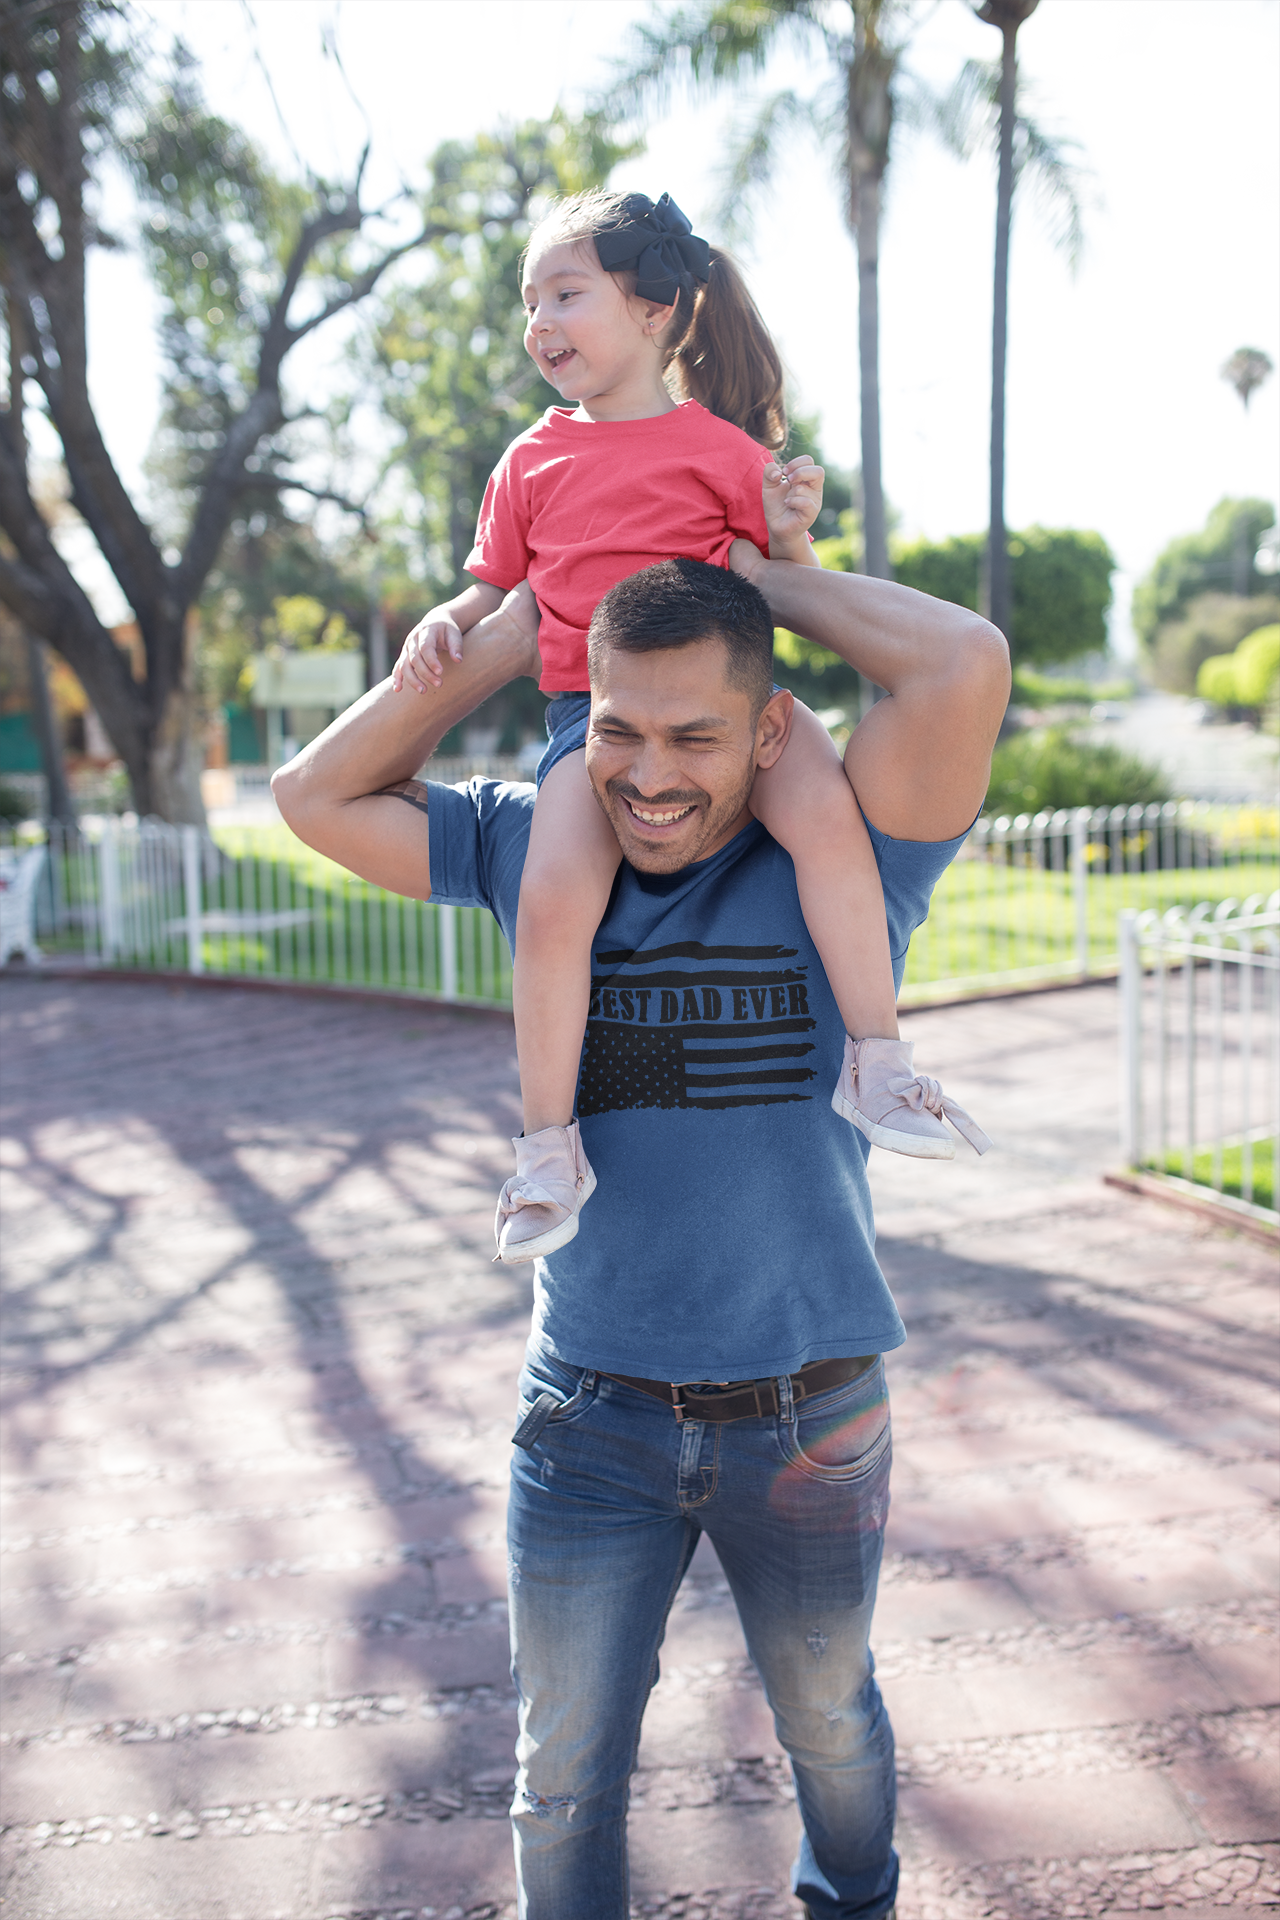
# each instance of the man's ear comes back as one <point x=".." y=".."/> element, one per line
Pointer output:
<point x="773" y="728"/>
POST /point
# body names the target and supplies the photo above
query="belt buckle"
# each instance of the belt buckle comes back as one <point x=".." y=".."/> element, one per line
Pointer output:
<point x="676" y="1406"/>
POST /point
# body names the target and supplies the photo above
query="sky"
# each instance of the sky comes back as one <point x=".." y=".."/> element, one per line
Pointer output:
<point x="1118" y="417"/>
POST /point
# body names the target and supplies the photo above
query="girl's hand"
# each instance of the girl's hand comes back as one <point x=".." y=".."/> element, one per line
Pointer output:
<point x="419" y="662"/>
<point x="792" y="502"/>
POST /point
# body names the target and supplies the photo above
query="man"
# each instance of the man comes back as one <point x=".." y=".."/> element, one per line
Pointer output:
<point x="706" y="1354"/>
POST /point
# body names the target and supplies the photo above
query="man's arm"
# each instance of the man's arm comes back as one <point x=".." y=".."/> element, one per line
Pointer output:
<point x="920" y="761"/>
<point x="339" y="794"/>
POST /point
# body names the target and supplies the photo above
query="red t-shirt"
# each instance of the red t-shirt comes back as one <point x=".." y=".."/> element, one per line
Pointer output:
<point x="575" y="506"/>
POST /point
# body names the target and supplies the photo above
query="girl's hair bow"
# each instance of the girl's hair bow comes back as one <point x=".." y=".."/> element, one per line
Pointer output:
<point x="659" y="242"/>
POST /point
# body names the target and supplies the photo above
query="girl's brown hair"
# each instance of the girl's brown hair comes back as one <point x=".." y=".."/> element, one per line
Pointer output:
<point x="716" y="348"/>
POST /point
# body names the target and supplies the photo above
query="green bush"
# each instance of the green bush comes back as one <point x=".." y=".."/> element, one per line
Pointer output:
<point x="1061" y="586"/>
<point x="1220" y="559"/>
<point x="1246" y="677"/>
<point x="1042" y="770"/>
<point x="1213" y="623"/>
<point x="1047" y="690"/>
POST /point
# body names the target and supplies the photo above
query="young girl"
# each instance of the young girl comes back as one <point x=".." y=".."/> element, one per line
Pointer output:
<point x="666" y="446"/>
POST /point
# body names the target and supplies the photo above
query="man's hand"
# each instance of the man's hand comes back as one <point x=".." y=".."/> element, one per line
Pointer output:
<point x="519" y="618"/>
<point x="419" y="666"/>
<point x="792" y="501"/>
<point x="746" y="558"/>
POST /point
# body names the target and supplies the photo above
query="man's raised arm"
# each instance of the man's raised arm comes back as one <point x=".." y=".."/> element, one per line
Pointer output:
<point x="920" y="761"/>
<point x="344" y="794"/>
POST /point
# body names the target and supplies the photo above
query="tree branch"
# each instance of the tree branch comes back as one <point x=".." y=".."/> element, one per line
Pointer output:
<point x="363" y="284"/>
<point x="33" y="274"/>
<point x="282" y="483"/>
<point x="265" y="410"/>
<point x="39" y="587"/>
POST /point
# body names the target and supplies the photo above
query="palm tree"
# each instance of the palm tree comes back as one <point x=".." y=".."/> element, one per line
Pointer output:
<point x="1008" y="15"/>
<point x="722" y="41"/>
<point x="985" y="105"/>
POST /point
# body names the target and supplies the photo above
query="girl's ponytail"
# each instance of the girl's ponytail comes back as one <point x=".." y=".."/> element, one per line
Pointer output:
<point x="717" y="350"/>
<point x="724" y="357"/>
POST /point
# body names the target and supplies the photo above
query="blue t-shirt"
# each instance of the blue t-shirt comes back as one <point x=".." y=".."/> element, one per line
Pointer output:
<point x="730" y="1236"/>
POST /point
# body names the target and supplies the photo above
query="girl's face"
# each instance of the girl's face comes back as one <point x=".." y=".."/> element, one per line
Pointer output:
<point x="596" y="344"/>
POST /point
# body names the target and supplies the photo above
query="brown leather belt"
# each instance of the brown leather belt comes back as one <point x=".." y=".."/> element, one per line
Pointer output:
<point x="748" y="1399"/>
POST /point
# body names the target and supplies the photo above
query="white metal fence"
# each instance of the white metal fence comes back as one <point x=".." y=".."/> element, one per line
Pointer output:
<point x="1036" y="898"/>
<point x="1029" y="900"/>
<point x="1200" y="1053"/>
<point x="253" y="904"/>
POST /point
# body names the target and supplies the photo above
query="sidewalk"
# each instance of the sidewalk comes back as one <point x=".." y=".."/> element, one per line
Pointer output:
<point x="260" y="1376"/>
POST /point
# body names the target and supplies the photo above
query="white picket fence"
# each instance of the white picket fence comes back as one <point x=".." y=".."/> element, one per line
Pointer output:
<point x="1029" y="900"/>
<point x="1200" y="1048"/>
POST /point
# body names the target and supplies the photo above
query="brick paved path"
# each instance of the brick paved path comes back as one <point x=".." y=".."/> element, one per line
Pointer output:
<point x="260" y="1384"/>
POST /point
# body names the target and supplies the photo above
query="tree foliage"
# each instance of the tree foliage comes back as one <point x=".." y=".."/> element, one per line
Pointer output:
<point x="1210" y="625"/>
<point x="1246" y="679"/>
<point x="1061" y="586"/>
<point x="1221" y="558"/>
<point x="248" y="265"/>
<point x="1045" y="164"/>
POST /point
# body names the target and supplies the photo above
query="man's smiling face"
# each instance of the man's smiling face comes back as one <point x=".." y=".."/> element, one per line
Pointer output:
<point x="672" y="751"/>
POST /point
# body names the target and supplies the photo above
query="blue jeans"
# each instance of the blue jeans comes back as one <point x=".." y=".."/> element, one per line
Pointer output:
<point x="606" y="1508"/>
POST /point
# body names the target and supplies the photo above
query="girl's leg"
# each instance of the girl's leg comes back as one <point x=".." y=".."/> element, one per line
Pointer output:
<point x="564" y="891"/>
<point x="568" y="873"/>
<point x="809" y="807"/>
<point x="806" y="803"/>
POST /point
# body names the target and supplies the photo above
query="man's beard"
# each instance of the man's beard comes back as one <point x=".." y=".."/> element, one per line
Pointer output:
<point x="649" y="858"/>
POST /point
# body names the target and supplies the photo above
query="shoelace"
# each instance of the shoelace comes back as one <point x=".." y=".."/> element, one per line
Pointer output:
<point x="924" y="1095"/>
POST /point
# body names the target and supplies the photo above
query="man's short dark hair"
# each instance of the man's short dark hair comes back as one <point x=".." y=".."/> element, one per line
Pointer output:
<point x="680" y="602"/>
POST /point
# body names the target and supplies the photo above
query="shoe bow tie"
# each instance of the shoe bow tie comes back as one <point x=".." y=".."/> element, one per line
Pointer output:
<point x="926" y="1096"/>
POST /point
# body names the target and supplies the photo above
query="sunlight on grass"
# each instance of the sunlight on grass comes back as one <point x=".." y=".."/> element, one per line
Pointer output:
<point x="1233" y="1163"/>
<point x="987" y="919"/>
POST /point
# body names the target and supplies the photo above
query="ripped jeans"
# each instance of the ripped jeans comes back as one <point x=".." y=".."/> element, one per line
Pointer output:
<point x="606" y="1508"/>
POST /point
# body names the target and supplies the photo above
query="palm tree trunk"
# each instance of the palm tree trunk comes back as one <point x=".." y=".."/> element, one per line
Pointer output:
<point x="874" y="533"/>
<point x="869" y="121"/>
<point x="997" y="584"/>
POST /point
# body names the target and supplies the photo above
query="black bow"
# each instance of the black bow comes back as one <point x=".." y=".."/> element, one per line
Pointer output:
<point x="659" y="242"/>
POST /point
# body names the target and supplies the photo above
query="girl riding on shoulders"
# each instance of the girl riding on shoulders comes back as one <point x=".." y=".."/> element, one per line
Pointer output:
<point x="668" y="444"/>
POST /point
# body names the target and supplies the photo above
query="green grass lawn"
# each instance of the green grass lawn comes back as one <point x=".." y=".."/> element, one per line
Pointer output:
<point x="1233" y="1163"/>
<point x="989" y="920"/>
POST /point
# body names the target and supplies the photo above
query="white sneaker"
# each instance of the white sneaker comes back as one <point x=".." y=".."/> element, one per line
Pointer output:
<point x="881" y="1093"/>
<point x="539" y="1206"/>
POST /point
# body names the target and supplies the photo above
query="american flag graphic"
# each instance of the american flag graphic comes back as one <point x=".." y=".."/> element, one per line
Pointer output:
<point x="695" y="1026"/>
